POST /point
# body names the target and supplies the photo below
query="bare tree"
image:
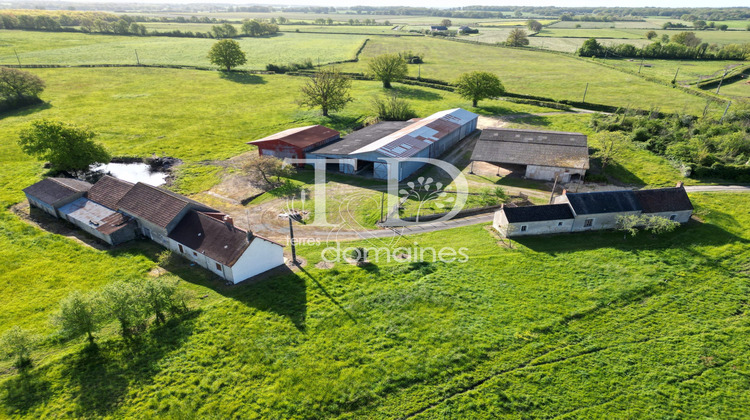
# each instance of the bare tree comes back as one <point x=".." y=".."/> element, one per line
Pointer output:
<point x="267" y="168"/>
<point x="611" y="145"/>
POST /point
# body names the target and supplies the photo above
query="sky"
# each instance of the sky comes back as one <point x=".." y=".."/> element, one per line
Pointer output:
<point x="454" y="3"/>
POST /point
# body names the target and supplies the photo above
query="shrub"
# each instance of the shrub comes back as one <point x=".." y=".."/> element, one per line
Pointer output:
<point x="392" y="108"/>
<point x="17" y="343"/>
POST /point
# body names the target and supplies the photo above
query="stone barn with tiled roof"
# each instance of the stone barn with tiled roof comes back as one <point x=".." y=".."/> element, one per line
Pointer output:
<point x="543" y="155"/>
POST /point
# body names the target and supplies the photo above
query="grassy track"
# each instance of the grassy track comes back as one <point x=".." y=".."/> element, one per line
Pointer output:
<point x="75" y="48"/>
<point x="522" y="71"/>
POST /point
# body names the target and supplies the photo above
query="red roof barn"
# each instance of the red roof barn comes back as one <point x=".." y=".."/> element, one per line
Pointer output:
<point x="295" y="142"/>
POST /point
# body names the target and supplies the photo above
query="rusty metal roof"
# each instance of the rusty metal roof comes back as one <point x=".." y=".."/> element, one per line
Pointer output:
<point x="301" y="137"/>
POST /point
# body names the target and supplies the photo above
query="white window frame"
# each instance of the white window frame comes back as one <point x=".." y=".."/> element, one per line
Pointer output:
<point x="588" y="222"/>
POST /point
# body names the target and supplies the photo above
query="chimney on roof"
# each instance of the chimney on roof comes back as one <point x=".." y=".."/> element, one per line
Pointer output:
<point x="228" y="220"/>
<point x="679" y="184"/>
<point x="565" y="191"/>
<point x="250" y="235"/>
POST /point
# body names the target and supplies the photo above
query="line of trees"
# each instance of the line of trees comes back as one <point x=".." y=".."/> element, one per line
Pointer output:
<point x="684" y="45"/>
<point x="133" y="305"/>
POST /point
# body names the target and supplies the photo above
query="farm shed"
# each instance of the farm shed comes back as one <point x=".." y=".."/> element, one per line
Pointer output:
<point x="429" y="137"/>
<point x="295" y="142"/>
<point x="50" y="194"/>
<point x="438" y="28"/>
<point x="212" y="241"/>
<point x="544" y="155"/>
<point x="99" y="221"/>
<point x="671" y="203"/>
<point x="534" y="220"/>
<point x="599" y="210"/>
<point x="157" y="210"/>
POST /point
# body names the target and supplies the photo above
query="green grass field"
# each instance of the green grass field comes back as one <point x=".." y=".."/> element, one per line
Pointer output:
<point x="568" y="45"/>
<point x="75" y="48"/>
<point x="739" y="89"/>
<point x="521" y="71"/>
<point x="711" y="37"/>
<point x="590" y="323"/>
<point x="691" y="71"/>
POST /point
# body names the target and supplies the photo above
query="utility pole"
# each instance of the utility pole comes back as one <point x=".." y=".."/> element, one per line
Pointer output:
<point x="291" y="238"/>
<point x="19" y="60"/>
<point x="382" y="203"/>
<point x="721" y="81"/>
<point x="553" y="190"/>
<point x="137" y="60"/>
<point x="674" y="80"/>
<point x="725" y="112"/>
<point x="584" y="93"/>
<point x="639" y="67"/>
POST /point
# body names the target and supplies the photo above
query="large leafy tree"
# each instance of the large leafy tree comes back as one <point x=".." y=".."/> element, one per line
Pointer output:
<point x="590" y="48"/>
<point x="533" y="25"/>
<point x="227" y="54"/>
<point x="65" y="146"/>
<point x="478" y="85"/>
<point x="517" y="38"/>
<point x="17" y="85"/>
<point x="388" y="68"/>
<point x="327" y="89"/>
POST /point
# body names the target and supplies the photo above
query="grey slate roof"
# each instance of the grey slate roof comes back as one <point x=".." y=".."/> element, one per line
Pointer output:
<point x="362" y="137"/>
<point x="538" y="213"/>
<point x="532" y="147"/>
<point x="604" y="202"/>
<point x="663" y="200"/>
<point x="52" y="190"/>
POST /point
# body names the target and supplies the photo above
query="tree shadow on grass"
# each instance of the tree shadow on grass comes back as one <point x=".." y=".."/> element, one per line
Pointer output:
<point x="281" y="291"/>
<point x="100" y="374"/>
<point x="26" y="110"/>
<point x="688" y="235"/>
<point x="408" y="92"/>
<point x="25" y="391"/>
<point x="242" y="77"/>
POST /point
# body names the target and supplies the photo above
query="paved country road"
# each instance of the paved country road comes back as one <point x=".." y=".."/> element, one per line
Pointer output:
<point x="717" y="188"/>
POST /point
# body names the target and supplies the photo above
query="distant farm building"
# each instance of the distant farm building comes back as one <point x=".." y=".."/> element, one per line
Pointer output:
<point x="438" y="28"/>
<point x="576" y="212"/>
<point x="295" y="142"/>
<point x="363" y="152"/>
<point x="116" y="211"/>
<point x="542" y="155"/>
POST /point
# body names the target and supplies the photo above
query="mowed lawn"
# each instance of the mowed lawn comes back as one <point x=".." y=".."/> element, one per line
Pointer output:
<point x="532" y="72"/>
<point x="76" y="48"/>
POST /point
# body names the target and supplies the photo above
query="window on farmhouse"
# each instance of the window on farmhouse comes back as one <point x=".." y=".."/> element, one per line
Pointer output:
<point x="673" y="217"/>
<point x="523" y="228"/>
<point x="559" y="223"/>
<point x="588" y="223"/>
<point x="218" y="266"/>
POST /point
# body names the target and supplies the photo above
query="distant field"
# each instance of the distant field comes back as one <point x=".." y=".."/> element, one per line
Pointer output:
<point x="739" y="89"/>
<point x="529" y="72"/>
<point x="589" y="33"/>
<point x="712" y="37"/>
<point x="346" y="29"/>
<point x="690" y="70"/>
<point x="75" y="48"/>
<point x="608" y="25"/>
<point x="495" y="35"/>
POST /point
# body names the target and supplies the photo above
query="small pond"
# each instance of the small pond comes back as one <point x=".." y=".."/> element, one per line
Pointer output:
<point x="133" y="172"/>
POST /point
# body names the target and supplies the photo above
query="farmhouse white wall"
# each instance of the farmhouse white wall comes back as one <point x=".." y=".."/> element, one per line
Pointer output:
<point x="682" y="216"/>
<point x="546" y="227"/>
<point x="259" y="257"/>
<point x="548" y="173"/>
